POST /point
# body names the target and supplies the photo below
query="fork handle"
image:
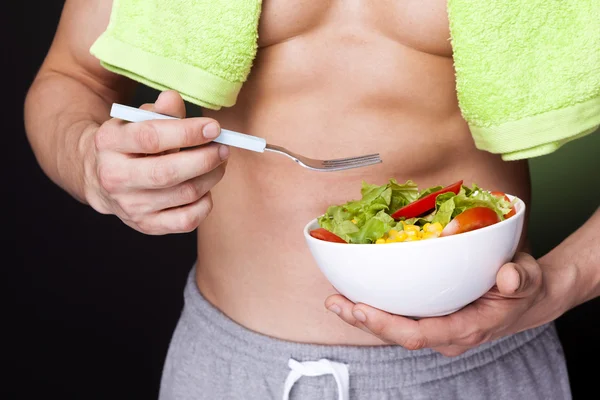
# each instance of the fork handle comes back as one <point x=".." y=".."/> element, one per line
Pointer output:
<point x="226" y="137"/>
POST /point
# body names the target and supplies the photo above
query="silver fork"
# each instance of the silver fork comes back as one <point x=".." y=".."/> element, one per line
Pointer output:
<point x="253" y="143"/>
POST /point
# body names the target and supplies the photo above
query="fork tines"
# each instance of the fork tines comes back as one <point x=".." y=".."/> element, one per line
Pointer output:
<point x="369" y="158"/>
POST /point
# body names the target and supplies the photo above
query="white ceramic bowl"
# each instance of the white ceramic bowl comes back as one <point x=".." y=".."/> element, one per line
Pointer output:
<point x="422" y="278"/>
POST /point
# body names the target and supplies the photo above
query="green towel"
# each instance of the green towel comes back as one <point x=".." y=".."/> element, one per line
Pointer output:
<point x="204" y="49"/>
<point x="527" y="71"/>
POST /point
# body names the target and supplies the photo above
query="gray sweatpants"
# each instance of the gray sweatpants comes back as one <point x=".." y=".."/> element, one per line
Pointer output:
<point x="211" y="357"/>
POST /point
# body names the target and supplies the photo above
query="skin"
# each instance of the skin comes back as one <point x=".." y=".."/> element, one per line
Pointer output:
<point x="331" y="79"/>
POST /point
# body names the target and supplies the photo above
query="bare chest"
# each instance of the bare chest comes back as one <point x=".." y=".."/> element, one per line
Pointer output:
<point x="418" y="24"/>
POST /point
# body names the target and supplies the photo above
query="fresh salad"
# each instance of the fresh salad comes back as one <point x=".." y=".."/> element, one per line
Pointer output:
<point x="396" y="212"/>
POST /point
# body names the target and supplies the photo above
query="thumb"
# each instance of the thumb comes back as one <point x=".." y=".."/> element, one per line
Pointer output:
<point x="519" y="278"/>
<point x="170" y="103"/>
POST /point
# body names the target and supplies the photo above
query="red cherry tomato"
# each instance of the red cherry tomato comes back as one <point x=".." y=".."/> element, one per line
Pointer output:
<point x="512" y="210"/>
<point x="324" y="234"/>
<point x="427" y="203"/>
<point x="471" y="219"/>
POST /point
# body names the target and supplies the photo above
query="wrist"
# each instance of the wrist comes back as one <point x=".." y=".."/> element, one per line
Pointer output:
<point x="564" y="284"/>
<point x="89" y="181"/>
<point x="574" y="264"/>
<point x="588" y="286"/>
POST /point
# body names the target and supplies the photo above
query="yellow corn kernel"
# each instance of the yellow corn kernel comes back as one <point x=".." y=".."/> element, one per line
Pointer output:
<point x="380" y="241"/>
<point x="412" y="233"/>
<point x="429" y="235"/>
<point x="392" y="232"/>
<point x="354" y="221"/>
<point x="435" y="227"/>
<point x="401" y="237"/>
<point x="409" y="228"/>
<point x="390" y="240"/>
<point x="426" y="227"/>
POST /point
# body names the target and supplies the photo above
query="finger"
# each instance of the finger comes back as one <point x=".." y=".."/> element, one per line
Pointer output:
<point x="170" y="103"/>
<point x="336" y="300"/>
<point x="508" y="279"/>
<point x="178" y="220"/>
<point x="147" y="107"/>
<point x="342" y="307"/>
<point x="387" y="327"/>
<point x="391" y="328"/>
<point x="466" y="327"/>
<point x="156" y="136"/>
<point x="168" y="170"/>
<point x="463" y="329"/>
<point x="519" y="278"/>
<point x="185" y="193"/>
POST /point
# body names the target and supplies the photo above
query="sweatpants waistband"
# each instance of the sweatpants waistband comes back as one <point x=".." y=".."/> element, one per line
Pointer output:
<point x="376" y="367"/>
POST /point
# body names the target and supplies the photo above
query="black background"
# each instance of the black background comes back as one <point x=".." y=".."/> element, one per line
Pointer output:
<point x="92" y="303"/>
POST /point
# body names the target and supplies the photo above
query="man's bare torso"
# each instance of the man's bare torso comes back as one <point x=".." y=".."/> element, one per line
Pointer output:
<point x="331" y="79"/>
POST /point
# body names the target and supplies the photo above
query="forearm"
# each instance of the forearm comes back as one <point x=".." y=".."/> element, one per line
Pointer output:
<point x="579" y="254"/>
<point x="61" y="116"/>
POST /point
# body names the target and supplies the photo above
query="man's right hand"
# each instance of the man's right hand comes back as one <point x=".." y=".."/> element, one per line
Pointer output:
<point x="137" y="172"/>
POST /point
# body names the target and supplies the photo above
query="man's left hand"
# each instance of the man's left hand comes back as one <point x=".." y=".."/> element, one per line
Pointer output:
<point x="518" y="301"/>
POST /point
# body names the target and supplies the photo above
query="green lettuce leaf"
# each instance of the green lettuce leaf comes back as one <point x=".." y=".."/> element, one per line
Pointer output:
<point x="373" y="229"/>
<point x="402" y="194"/>
<point x="369" y="218"/>
<point x="361" y="221"/>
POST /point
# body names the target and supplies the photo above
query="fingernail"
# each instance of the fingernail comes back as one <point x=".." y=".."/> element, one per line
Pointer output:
<point x="223" y="152"/>
<point x="359" y="315"/>
<point x="211" y="131"/>
<point x="334" y="308"/>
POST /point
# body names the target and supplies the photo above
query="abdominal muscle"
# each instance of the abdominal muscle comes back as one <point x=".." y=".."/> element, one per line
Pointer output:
<point x="344" y="79"/>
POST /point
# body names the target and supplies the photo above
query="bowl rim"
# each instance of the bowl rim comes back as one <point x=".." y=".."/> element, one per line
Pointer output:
<point x="521" y="206"/>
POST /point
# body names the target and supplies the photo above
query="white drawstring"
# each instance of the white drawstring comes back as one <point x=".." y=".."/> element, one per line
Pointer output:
<point x="318" y="368"/>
